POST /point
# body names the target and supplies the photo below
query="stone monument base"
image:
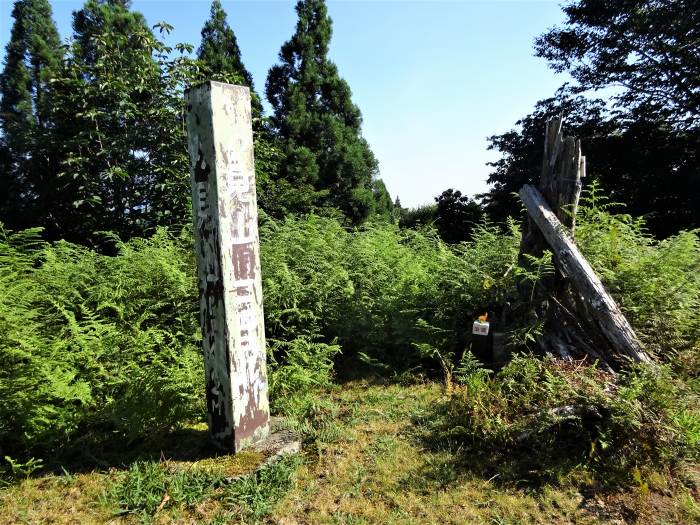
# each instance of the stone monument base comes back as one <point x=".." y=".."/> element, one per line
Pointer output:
<point x="281" y="442"/>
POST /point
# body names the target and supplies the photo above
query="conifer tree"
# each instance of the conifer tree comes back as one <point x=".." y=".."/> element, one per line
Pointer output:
<point x="221" y="56"/>
<point x="220" y="59"/>
<point x="327" y="161"/>
<point x="33" y="56"/>
<point x="383" y="206"/>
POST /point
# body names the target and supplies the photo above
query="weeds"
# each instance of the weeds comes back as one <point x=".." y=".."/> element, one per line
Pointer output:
<point x="148" y="488"/>
<point x="542" y="421"/>
<point x="18" y="469"/>
<point x="384" y="474"/>
<point x="256" y="495"/>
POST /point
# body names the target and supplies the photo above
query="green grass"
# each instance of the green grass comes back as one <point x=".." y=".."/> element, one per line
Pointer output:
<point x="148" y="488"/>
<point x="365" y="461"/>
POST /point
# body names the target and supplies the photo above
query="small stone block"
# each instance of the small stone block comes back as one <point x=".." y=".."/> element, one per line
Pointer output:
<point x="279" y="443"/>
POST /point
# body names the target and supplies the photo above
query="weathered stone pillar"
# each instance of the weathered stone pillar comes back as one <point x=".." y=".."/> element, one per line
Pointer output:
<point x="228" y="261"/>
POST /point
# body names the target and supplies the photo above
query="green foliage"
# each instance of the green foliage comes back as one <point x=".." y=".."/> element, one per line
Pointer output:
<point x="315" y="419"/>
<point x="297" y="366"/>
<point x="416" y="217"/>
<point x="648" y="129"/>
<point x="533" y="269"/>
<point x="89" y="341"/>
<point x="546" y="420"/>
<point x="327" y="162"/>
<point x="119" y="133"/>
<point x="220" y="56"/>
<point x="305" y="279"/>
<point x="93" y="136"/>
<point x="394" y="275"/>
<point x="521" y="148"/>
<point x="149" y="487"/>
<point x="141" y="489"/>
<point x="378" y="288"/>
<point x="457" y="216"/>
<point x="93" y="345"/>
<point x="19" y="469"/>
<point x="383" y="206"/>
<point x="656" y="283"/>
<point x="470" y="369"/>
<point x="256" y="495"/>
<point x="646" y="46"/>
<point x="437" y="340"/>
<point x="33" y="57"/>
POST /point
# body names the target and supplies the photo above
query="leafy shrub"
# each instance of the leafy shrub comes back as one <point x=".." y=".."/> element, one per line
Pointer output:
<point x="394" y="275"/>
<point x="299" y="365"/>
<point x="305" y="280"/>
<point x="88" y="340"/>
<point x="377" y="288"/>
<point x="96" y="346"/>
<point x="542" y="419"/>
<point x="111" y="345"/>
<point x="656" y="283"/>
<point x="410" y="286"/>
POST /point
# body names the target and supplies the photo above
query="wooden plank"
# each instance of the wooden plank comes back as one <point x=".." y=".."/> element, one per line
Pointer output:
<point x="228" y="259"/>
<point x="607" y="316"/>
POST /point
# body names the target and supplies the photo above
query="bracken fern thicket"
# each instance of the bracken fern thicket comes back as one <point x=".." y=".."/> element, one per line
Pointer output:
<point x="94" y="345"/>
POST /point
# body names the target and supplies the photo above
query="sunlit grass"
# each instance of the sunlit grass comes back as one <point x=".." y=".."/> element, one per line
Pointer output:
<point x="375" y="469"/>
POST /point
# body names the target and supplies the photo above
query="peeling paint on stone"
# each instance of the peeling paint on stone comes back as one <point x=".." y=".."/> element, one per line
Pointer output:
<point x="228" y="259"/>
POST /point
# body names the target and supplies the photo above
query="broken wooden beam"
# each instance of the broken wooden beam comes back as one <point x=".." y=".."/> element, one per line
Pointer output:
<point x="574" y="267"/>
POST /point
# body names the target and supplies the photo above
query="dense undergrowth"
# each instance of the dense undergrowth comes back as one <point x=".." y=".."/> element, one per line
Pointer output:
<point x="545" y="421"/>
<point x="96" y="347"/>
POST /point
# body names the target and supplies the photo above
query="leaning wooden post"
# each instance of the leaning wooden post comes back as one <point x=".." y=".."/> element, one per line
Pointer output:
<point x="228" y="259"/>
<point x="605" y="312"/>
<point x="578" y="314"/>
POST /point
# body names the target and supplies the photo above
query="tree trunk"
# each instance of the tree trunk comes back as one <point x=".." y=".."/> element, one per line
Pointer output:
<point x="604" y="312"/>
<point x="578" y="316"/>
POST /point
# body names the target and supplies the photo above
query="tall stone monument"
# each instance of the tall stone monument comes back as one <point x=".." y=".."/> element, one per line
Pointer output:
<point x="228" y="261"/>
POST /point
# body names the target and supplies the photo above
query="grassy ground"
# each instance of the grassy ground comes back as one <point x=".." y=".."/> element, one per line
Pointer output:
<point x="366" y="460"/>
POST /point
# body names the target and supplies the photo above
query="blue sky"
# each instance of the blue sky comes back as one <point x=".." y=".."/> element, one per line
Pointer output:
<point x="433" y="78"/>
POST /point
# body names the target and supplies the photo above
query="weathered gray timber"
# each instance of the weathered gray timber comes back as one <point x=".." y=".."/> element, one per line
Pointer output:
<point x="228" y="259"/>
<point x="563" y="167"/>
<point x="578" y="315"/>
<point x="576" y="270"/>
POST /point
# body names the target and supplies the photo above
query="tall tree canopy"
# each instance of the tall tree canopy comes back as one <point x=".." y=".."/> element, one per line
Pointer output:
<point x="118" y="120"/>
<point x="220" y="55"/>
<point x="522" y="148"/>
<point x="650" y="48"/>
<point x="326" y="160"/>
<point x="456" y="216"/>
<point x="383" y="205"/>
<point x="33" y="57"/>
<point x="644" y="147"/>
<point x="220" y="59"/>
<point x="453" y="215"/>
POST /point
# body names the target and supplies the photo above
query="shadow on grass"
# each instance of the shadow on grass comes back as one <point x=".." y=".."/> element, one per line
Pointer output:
<point x="558" y="456"/>
<point x="172" y="473"/>
<point x="102" y="450"/>
<point x="533" y="466"/>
